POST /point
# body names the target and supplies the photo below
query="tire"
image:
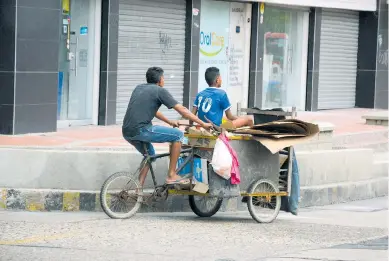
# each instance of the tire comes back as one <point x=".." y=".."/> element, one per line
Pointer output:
<point x="124" y="196"/>
<point x="263" y="185"/>
<point x="201" y="211"/>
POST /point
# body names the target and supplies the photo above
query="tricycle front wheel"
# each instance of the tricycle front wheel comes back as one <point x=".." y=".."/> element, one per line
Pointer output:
<point x="205" y="206"/>
<point x="264" y="209"/>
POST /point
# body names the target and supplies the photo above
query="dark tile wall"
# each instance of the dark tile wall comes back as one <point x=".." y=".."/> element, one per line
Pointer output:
<point x="108" y="62"/>
<point x="381" y="87"/>
<point x="192" y="55"/>
<point x="312" y="94"/>
<point x="29" y="65"/>
<point x="36" y="74"/>
<point x="7" y="64"/>
<point x="366" y="64"/>
<point x="372" y="77"/>
<point x="256" y="57"/>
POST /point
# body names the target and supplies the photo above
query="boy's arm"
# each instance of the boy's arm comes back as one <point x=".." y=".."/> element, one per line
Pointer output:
<point x="159" y="115"/>
<point x="230" y="116"/>
<point x="194" y="111"/>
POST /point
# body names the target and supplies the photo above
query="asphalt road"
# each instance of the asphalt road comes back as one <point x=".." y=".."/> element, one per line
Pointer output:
<point x="353" y="231"/>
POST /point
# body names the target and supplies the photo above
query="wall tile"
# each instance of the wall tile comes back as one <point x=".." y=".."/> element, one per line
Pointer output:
<point x="35" y="118"/>
<point x="381" y="81"/>
<point x="113" y="57"/>
<point x="365" y="89"/>
<point x="33" y="56"/>
<point x="36" y="88"/>
<point x="112" y="86"/>
<point x="111" y="112"/>
<point x="7" y="2"/>
<point x="113" y="27"/>
<point x="7" y="37"/>
<point x="46" y="4"/>
<point x="6" y="116"/>
<point x="38" y="24"/>
<point x="7" y="90"/>
<point x="114" y="6"/>
<point x="381" y="101"/>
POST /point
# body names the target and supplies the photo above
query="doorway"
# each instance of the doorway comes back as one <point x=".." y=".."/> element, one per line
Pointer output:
<point x="225" y="44"/>
<point x="79" y="61"/>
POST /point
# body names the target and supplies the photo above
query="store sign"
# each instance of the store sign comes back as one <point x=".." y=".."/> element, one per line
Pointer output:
<point x="211" y="44"/>
<point x="214" y="38"/>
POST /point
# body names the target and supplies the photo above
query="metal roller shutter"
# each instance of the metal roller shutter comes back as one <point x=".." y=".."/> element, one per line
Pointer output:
<point x="151" y="33"/>
<point x="338" y="59"/>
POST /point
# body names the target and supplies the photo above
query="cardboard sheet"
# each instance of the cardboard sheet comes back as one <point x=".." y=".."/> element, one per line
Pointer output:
<point x="290" y="132"/>
<point x="275" y="135"/>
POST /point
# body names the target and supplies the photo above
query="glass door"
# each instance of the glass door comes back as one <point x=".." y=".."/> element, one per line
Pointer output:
<point x="284" y="63"/>
<point x="76" y="63"/>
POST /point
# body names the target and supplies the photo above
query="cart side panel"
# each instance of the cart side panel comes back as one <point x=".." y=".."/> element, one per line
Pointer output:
<point x="255" y="161"/>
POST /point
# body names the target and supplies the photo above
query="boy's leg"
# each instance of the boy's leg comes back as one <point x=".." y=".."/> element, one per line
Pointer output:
<point x="139" y="145"/>
<point x="162" y="134"/>
<point x="243" y="121"/>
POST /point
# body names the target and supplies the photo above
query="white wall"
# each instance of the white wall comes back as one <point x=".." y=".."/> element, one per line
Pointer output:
<point x="362" y="5"/>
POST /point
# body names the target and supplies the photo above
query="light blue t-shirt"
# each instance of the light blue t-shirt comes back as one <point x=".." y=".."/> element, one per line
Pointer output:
<point x="212" y="103"/>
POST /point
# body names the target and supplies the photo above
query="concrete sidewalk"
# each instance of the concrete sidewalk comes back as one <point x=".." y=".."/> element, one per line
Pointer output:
<point x="345" y="122"/>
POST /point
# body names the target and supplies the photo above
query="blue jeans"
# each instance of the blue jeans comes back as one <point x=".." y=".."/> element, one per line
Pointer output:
<point x="295" y="187"/>
<point x="154" y="134"/>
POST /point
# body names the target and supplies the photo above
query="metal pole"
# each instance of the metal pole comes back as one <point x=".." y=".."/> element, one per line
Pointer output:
<point x="239" y="109"/>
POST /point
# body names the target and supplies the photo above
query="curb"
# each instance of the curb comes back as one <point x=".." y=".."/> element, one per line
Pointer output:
<point x="74" y="201"/>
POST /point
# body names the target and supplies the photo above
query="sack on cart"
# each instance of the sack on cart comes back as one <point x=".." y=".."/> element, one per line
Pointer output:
<point x="221" y="160"/>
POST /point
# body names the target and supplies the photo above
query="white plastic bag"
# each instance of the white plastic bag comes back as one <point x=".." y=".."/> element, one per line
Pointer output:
<point x="221" y="160"/>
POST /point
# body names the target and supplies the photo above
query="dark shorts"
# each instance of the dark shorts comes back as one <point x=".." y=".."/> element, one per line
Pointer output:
<point x="154" y="134"/>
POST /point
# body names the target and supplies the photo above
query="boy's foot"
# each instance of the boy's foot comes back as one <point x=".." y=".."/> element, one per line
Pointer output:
<point x="177" y="180"/>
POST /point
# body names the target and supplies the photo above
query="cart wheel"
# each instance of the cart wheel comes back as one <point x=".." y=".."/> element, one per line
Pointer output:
<point x="263" y="209"/>
<point x="121" y="195"/>
<point x="204" y="206"/>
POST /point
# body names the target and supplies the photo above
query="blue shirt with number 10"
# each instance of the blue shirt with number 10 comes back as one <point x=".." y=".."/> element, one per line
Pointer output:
<point x="212" y="103"/>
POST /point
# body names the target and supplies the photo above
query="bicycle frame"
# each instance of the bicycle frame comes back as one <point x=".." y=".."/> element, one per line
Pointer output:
<point x="149" y="159"/>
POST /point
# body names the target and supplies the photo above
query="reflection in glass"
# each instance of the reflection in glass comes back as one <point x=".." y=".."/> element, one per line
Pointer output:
<point x="282" y="63"/>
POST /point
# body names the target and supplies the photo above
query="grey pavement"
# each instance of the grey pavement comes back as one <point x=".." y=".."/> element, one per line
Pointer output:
<point x="352" y="231"/>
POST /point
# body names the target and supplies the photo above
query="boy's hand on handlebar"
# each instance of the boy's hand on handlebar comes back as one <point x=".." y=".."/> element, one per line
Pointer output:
<point x="207" y="126"/>
<point x="174" y="124"/>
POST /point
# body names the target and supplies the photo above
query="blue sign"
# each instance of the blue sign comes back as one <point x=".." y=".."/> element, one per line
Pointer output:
<point x="60" y="87"/>
<point x="83" y="30"/>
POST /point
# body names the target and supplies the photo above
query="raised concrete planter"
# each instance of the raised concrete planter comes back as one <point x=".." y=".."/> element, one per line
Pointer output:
<point x="322" y="141"/>
<point x="377" y="118"/>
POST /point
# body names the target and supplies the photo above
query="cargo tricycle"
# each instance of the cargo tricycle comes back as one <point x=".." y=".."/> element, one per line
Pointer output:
<point x="266" y="177"/>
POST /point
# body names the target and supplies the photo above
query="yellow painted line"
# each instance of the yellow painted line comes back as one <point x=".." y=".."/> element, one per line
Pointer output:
<point x="37" y="239"/>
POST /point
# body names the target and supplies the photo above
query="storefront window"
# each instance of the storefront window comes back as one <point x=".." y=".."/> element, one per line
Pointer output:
<point x="284" y="63"/>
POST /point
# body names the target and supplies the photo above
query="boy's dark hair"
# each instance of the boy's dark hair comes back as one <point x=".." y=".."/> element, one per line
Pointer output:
<point x="211" y="75"/>
<point x="154" y="74"/>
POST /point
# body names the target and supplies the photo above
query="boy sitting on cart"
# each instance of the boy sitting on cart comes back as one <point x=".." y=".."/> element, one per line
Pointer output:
<point x="211" y="103"/>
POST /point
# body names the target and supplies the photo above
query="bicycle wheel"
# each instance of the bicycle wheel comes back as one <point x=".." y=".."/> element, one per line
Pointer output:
<point x="270" y="204"/>
<point x="205" y="206"/>
<point x="121" y="195"/>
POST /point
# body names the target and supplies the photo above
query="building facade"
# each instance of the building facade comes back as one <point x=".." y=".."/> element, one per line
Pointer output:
<point x="76" y="62"/>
